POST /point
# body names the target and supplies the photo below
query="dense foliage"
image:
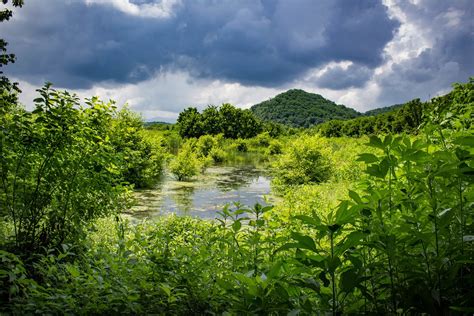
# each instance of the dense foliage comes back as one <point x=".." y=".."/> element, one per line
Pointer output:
<point x="298" y="108"/>
<point x="403" y="119"/>
<point x="62" y="158"/>
<point x="307" y="160"/>
<point x="228" y="120"/>
<point x="382" y="110"/>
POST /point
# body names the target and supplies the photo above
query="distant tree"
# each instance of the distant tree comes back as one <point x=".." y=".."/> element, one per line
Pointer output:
<point x="211" y="121"/>
<point x="228" y="120"/>
<point x="250" y="126"/>
<point x="229" y="117"/>
<point x="190" y="123"/>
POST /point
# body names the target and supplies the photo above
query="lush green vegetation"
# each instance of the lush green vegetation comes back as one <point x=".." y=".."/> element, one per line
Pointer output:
<point x="379" y="225"/>
<point x="228" y="120"/>
<point x="386" y="109"/>
<point x="298" y="108"/>
<point x="406" y="118"/>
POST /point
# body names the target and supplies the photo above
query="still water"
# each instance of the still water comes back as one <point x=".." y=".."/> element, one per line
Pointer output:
<point x="205" y="194"/>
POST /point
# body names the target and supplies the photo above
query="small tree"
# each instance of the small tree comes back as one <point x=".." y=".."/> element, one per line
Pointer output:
<point x="186" y="164"/>
<point x="306" y="161"/>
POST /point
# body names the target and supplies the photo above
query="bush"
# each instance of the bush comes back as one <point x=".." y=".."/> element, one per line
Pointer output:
<point x="217" y="155"/>
<point x="205" y="144"/>
<point x="262" y="139"/>
<point x="241" y="146"/>
<point x="60" y="168"/>
<point x="143" y="160"/>
<point x="274" y="148"/>
<point x="306" y="161"/>
<point x="186" y="164"/>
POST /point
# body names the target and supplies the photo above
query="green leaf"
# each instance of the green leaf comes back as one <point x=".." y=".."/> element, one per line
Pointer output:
<point x="418" y="156"/>
<point x="166" y="288"/>
<point x="367" y="158"/>
<point x="290" y="245"/>
<point x="387" y="140"/>
<point x="314" y="221"/>
<point x="236" y="226"/>
<point x="312" y="284"/>
<point x="304" y="242"/>
<point x="355" y="197"/>
<point x="467" y="141"/>
<point x="73" y="271"/>
<point x="333" y="264"/>
<point x="344" y="214"/>
<point x="349" y="280"/>
<point x="374" y="141"/>
<point x="275" y="269"/>
<point x="383" y="167"/>
<point x="351" y="240"/>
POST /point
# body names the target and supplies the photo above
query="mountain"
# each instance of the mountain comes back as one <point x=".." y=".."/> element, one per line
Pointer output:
<point x="386" y="109"/>
<point x="299" y="108"/>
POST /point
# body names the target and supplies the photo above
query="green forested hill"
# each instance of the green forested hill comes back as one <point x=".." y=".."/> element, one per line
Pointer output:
<point x="299" y="108"/>
<point x="382" y="110"/>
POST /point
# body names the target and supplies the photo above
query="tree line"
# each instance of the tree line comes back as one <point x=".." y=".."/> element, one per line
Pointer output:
<point x="227" y="120"/>
<point x="404" y="119"/>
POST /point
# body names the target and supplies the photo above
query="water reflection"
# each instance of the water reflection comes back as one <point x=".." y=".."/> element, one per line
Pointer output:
<point x="183" y="198"/>
<point x="238" y="177"/>
<point x="206" y="194"/>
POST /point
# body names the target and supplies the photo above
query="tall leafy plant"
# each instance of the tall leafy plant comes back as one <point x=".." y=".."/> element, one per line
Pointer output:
<point x="59" y="169"/>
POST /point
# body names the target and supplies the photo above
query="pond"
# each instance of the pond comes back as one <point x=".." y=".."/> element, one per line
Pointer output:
<point x="205" y="194"/>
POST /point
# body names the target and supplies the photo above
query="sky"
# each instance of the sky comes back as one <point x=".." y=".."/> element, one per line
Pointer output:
<point x="162" y="56"/>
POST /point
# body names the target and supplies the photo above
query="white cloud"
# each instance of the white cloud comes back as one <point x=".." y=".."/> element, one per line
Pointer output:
<point x="156" y="9"/>
<point x="412" y="68"/>
<point x="166" y="94"/>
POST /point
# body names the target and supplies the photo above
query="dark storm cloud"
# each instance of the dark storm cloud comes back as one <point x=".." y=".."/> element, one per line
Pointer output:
<point x="265" y="43"/>
<point x="450" y="27"/>
<point x="338" y="78"/>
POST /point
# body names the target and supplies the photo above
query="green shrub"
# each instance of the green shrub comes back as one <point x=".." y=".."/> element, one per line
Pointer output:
<point x="305" y="161"/>
<point x="205" y="144"/>
<point x="61" y="168"/>
<point x="218" y="155"/>
<point x="186" y="164"/>
<point x="262" y="140"/>
<point x="241" y="146"/>
<point x="274" y="148"/>
<point x="143" y="159"/>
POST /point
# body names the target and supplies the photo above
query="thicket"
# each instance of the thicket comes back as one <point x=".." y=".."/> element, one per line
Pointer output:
<point x="227" y="120"/>
<point x="406" y="118"/>
<point x="307" y="160"/>
<point x="65" y="164"/>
